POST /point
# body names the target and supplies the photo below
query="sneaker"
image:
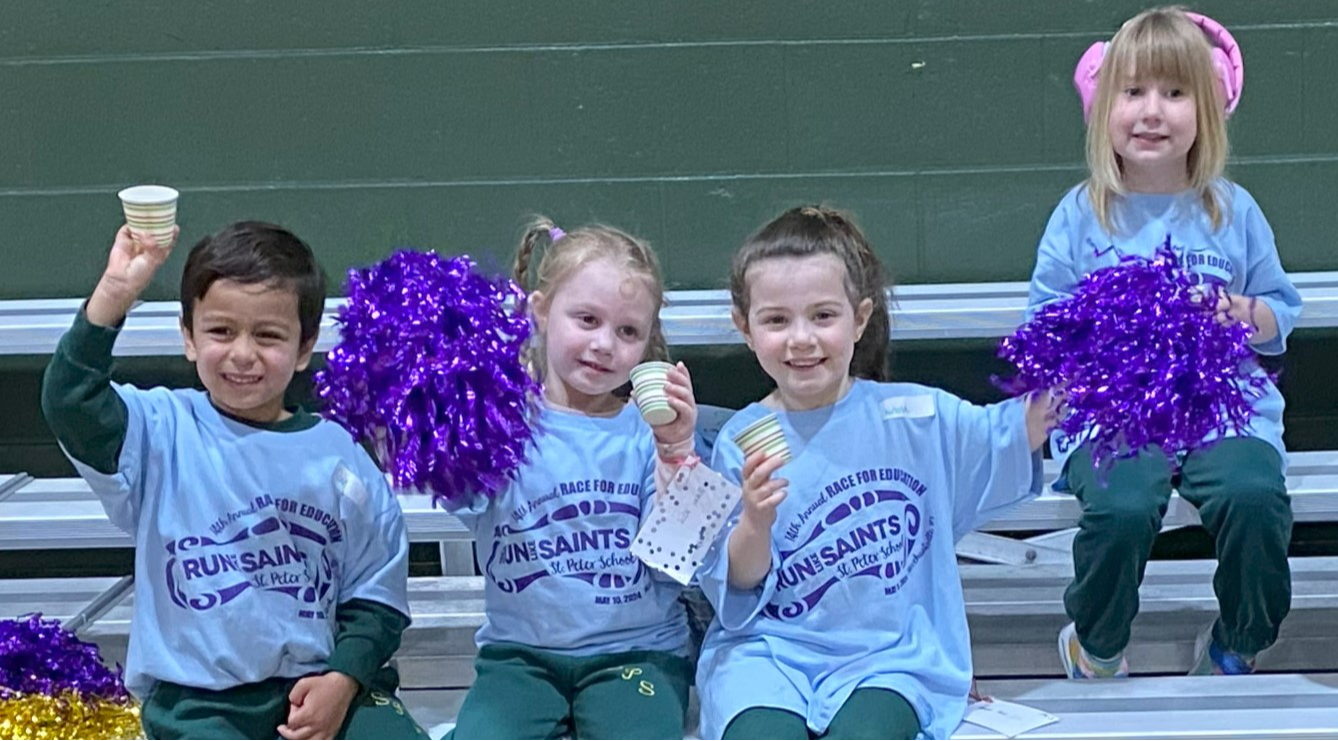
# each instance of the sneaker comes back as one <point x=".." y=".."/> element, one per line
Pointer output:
<point x="1078" y="664"/>
<point x="1211" y="658"/>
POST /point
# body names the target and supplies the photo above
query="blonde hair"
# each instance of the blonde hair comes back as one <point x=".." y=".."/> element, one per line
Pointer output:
<point x="1166" y="44"/>
<point x="569" y="251"/>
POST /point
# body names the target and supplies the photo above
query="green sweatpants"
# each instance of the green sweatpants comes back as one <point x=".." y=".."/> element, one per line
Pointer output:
<point x="522" y="692"/>
<point x="257" y="710"/>
<point x="1237" y="485"/>
<point x="869" y="713"/>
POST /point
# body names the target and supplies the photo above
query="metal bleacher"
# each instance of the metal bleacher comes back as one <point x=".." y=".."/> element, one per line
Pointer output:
<point x="921" y="312"/>
<point x="1013" y="584"/>
<point x="57" y="513"/>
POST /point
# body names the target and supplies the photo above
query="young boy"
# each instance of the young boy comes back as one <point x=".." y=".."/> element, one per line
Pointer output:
<point x="271" y="560"/>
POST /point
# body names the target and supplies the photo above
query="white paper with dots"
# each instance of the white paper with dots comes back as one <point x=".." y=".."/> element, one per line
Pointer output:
<point x="685" y="522"/>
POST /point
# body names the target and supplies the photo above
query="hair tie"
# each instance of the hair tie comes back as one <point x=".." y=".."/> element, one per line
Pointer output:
<point x="555" y="233"/>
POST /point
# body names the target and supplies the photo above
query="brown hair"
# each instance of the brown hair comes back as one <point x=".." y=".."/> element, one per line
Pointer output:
<point x="818" y="230"/>
<point x="252" y="252"/>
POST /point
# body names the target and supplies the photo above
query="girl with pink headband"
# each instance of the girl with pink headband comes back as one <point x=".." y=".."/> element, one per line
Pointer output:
<point x="1156" y="98"/>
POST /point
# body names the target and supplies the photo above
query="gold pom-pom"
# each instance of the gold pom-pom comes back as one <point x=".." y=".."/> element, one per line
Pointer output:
<point x="35" y="716"/>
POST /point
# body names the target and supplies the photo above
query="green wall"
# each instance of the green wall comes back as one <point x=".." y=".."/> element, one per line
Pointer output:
<point x="950" y="127"/>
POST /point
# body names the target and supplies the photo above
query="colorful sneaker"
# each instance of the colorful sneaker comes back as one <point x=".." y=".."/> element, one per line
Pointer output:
<point x="1078" y="664"/>
<point x="1211" y="658"/>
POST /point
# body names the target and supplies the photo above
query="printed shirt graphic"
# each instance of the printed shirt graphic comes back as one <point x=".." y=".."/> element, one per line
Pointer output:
<point x="247" y="540"/>
<point x="553" y="546"/>
<point x="864" y="589"/>
<point x="1241" y="257"/>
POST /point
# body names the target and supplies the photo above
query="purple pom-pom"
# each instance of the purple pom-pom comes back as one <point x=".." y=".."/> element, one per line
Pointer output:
<point x="429" y="366"/>
<point x="38" y="656"/>
<point x="1142" y="358"/>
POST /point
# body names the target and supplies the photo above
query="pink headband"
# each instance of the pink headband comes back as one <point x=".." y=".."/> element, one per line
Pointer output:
<point x="1227" y="62"/>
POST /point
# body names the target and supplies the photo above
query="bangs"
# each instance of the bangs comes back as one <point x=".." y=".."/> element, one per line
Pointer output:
<point x="1165" y="47"/>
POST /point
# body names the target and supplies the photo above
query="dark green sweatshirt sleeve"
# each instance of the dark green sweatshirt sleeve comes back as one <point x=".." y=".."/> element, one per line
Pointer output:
<point x="87" y="415"/>
<point x="367" y="634"/>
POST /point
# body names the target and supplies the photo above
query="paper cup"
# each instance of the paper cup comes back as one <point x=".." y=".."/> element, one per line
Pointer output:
<point x="651" y="370"/>
<point x="649" y="380"/>
<point x="765" y="435"/>
<point x="151" y="210"/>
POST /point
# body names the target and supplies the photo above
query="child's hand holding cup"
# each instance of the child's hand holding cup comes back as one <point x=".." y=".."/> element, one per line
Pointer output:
<point x="648" y="382"/>
<point x="764" y="435"/>
<point x="764" y="452"/>
<point x="151" y="214"/>
<point x="141" y="246"/>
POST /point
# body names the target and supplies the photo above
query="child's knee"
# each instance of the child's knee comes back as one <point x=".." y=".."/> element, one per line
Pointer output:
<point x="1257" y="496"/>
<point x="1129" y="494"/>
<point x="383" y="715"/>
<point x="1131" y="518"/>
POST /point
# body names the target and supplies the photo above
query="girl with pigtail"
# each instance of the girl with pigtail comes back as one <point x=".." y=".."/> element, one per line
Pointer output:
<point x="579" y="637"/>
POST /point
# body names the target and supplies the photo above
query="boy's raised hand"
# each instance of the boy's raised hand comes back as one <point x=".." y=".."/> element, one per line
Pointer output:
<point x="133" y="262"/>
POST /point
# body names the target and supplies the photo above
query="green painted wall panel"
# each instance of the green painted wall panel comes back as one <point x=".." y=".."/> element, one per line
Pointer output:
<point x="942" y="123"/>
<point x="659" y="112"/>
<point x="256" y="121"/>
<point x="1097" y="18"/>
<point x="974" y="232"/>
<point x="949" y="127"/>
<point x="935" y="227"/>
<point x="889" y="106"/>
<point x="440" y="118"/>
<point x="346" y="226"/>
<point x="1298" y="198"/>
<point x="649" y="113"/>
<point x="71" y="28"/>
<point x="706" y="222"/>
<point x="1274" y="82"/>
<point x="1320" y="111"/>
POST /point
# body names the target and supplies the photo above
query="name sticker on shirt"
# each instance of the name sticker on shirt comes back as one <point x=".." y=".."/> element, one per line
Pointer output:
<point x="908" y="407"/>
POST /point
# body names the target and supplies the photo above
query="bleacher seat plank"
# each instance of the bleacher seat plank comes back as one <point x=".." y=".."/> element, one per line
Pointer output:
<point x="919" y="312"/>
<point x="1287" y="706"/>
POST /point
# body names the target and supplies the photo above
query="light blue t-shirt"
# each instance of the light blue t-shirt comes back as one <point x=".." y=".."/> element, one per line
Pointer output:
<point x="1241" y="257"/>
<point x="864" y="589"/>
<point x="553" y="547"/>
<point x="246" y="541"/>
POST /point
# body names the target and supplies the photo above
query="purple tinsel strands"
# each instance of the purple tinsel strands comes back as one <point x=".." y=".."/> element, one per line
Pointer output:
<point x="429" y="366"/>
<point x="1142" y="357"/>
<point x="38" y="656"/>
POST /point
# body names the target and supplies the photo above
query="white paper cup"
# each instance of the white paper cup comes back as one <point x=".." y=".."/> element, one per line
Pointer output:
<point x="151" y="210"/>
<point x="765" y="435"/>
<point x="649" y="380"/>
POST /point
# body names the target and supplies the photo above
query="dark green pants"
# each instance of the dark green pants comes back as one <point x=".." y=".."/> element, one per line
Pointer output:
<point x="522" y="692"/>
<point x="257" y="710"/>
<point x="1237" y="485"/>
<point x="869" y="713"/>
